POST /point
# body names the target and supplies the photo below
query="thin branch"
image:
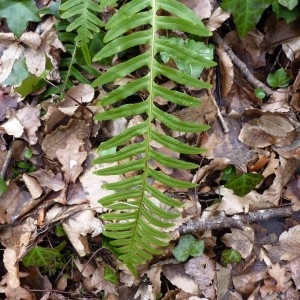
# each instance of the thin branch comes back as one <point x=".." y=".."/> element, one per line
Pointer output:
<point x="242" y="66"/>
<point x="240" y="221"/>
<point x="7" y="161"/>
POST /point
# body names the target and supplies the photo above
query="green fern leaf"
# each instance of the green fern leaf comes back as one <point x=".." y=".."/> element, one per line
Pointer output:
<point x="84" y="19"/>
<point x="138" y="212"/>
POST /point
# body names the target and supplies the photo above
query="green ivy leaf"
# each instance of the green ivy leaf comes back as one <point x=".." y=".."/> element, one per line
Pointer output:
<point x="18" y="73"/>
<point x="290" y="4"/>
<point x="18" y="14"/>
<point x="229" y="173"/>
<point x="44" y="257"/>
<point x="244" y="184"/>
<point x="188" y="246"/>
<point x="29" y="84"/>
<point x="259" y="93"/>
<point x="199" y="48"/>
<point x="246" y="13"/>
<point x="3" y="186"/>
<point x="278" y="79"/>
<point x="110" y="274"/>
<point x="230" y="256"/>
<point x="282" y="12"/>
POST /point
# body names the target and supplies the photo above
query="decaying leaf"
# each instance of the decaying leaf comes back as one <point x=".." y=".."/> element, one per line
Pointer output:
<point x="202" y="270"/>
<point x="78" y="226"/>
<point x="240" y="240"/>
<point x="71" y="158"/>
<point x="58" y="138"/>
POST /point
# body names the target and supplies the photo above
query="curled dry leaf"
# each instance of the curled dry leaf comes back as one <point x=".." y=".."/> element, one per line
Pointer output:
<point x="29" y="117"/>
<point x="38" y="48"/>
<point x="177" y="275"/>
<point x="202" y="269"/>
<point x="227" y="71"/>
<point x="58" y="138"/>
<point x="290" y="244"/>
<point x="92" y="183"/>
<point x="71" y="158"/>
<point x="78" y="226"/>
<point x="240" y="240"/>
<point x="201" y="8"/>
<point x="94" y="277"/>
<point x="269" y="129"/>
<point x="216" y="19"/>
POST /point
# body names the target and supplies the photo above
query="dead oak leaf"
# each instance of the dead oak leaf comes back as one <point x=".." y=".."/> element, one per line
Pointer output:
<point x="72" y="158"/>
<point x="281" y="278"/>
<point x="202" y="270"/>
<point x="290" y="244"/>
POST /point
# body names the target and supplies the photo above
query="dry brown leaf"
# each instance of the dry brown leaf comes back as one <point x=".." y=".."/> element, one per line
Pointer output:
<point x="83" y="93"/>
<point x="223" y="280"/>
<point x="283" y="174"/>
<point x="205" y="113"/>
<point x="227" y="146"/>
<point x="202" y="269"/>
<point x="94" y="278"/>
<point x="92" y="183"/>
<point x="240" y="240"/>
<point x="48" y="180"/>
<point x="216" y="19"/>
<point x="177" y="275"/>
<point x="292" y="191"/>
<point x="78" y="226"/>
<point x="232" y="204"/>
<point x="58" y="138"/>
<point x="33" y="186"/>
<point x="227" y="71"/>
<point x="154" y="274"/>
<point x="72" y="158"/>
<point x="13" y="127"/>
<point x="281" y="280"/>
<point x="9" y="56"/>
<point x="252" y="43"/>
<point x="29" y="117"/>
<point x="275" y="125"/>
<point x="7" y="100"/>
<point x="246" y="283"/>
<point x="12" y="267"/>
<point x="290" y="243"/>
<point x="14" y="202"/>
<point x="201" y="8"/>
<point x="38" y="47"/>
<point x="295" y="271"/>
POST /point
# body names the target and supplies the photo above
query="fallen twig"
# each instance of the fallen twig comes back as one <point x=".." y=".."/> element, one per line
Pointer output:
<point x="241" y="66"/>
<point x="6" y="161"/>
<point x="237" y="221"/>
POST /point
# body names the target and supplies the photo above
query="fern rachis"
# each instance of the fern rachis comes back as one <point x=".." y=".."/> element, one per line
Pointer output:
<point x="139" y="213"/>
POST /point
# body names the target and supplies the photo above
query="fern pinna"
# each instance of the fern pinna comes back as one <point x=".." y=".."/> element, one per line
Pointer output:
<point x="135" y="223"/>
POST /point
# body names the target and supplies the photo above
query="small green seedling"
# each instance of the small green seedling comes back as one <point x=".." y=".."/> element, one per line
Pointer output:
<point x="259" y="93"/>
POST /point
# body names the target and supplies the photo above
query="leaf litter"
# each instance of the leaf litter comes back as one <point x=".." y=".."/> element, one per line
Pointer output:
<point x="61" y="191"/>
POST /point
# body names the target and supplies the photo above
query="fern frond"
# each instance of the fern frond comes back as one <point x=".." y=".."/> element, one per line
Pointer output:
<point x="83" y="17"/>
<point x="138" y="212"/>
